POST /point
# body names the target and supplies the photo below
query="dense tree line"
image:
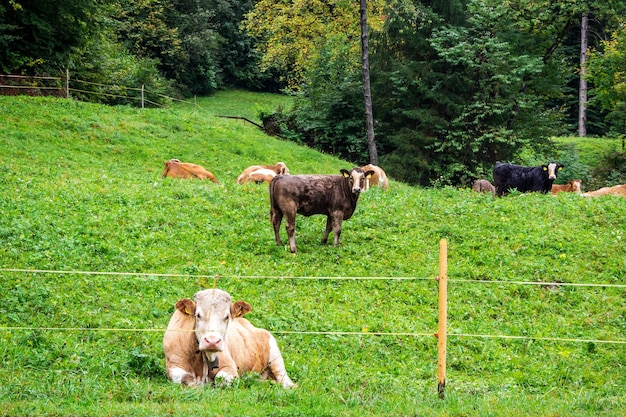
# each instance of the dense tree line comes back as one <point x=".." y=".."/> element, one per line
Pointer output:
<point x="174" y="47"/>
<point x="456" y="84"/>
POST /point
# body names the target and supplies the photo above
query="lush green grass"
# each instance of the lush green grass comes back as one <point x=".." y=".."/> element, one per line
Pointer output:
<point x="82" y="193"/>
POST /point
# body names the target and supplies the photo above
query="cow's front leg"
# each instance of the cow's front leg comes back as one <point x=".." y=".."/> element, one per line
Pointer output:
<point x="337" y="228"/>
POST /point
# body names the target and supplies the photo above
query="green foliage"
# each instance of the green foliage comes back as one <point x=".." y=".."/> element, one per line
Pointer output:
<point x="39" y="36"/>
<point x="328" y="113"/>
<point x="606" y="72"/>
<point x="454" y="99"/>
<point x="599" y="162"/>
<point x="84" y="195"/>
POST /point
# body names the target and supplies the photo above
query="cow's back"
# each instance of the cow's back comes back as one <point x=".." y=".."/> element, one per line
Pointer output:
<point x="305" y="194"/>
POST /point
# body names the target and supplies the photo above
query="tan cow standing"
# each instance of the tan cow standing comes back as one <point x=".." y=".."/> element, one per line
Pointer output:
<point x="176" y="169"/>
<point x="207" y="338"/>
<point x="378" y="178"/>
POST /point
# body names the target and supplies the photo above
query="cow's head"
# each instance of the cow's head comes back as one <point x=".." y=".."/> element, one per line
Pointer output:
<point x="213" y="311"/>
<point x="552" y="168"/>
<point x="356" y="178"/>
<point x="281" y="168"/>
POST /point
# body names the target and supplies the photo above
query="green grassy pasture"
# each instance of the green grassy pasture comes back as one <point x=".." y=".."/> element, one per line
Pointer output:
<point x="95" y="249"/>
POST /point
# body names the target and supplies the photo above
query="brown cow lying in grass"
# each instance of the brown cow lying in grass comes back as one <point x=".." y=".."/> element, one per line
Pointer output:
<point x="572" y="186"/>
<point x="207" y="339"/>
<point x="619" y="190"/>
<point x="176" y="169"/>
<point x="262" y="173"/>
<point x="484" y="186"/>
<point x="378" y="178"/>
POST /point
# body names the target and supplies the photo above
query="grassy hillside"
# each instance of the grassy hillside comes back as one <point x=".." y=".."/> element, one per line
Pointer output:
<point x="96" y="248"/>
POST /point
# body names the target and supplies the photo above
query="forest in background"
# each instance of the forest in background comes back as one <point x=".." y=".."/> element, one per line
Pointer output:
<point x="456" y="85"/>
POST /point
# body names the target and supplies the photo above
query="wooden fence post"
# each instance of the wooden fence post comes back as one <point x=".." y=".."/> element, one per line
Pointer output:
<point x="142" y="98"/>
<point x="443" y="318"/>
<point x="67" y="83"/>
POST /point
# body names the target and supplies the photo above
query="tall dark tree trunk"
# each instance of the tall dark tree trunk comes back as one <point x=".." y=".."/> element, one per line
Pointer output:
<point x="367" y="93"/>
<point x="582" y="90"/>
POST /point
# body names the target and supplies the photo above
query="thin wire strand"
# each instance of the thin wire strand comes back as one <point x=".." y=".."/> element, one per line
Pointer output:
<point x="220" y="276"/>
<point x="326" y="333"/>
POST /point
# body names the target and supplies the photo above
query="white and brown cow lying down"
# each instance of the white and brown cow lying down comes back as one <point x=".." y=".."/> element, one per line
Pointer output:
<point x="176" y="169"/>
<point x="378" y="178"/>
<point x="207" y="338"/>
<point x="619" y="190"/>
<point x="262" y="173"/>
<point x="332" y="195"/>
<point x="572" y="186"/>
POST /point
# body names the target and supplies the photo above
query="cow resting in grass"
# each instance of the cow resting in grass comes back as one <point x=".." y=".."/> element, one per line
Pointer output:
<point x="207" y="338"/>
<point x="572" y="186"/>
<point x="335" y="196"/>
<point x="378" y="178"/>
<point x="176" y="169"/>
<point x="524" y="179"/>
<point x="262" y="173"/>
<point x="619" y="190"/>
<point x="484" y="186"/>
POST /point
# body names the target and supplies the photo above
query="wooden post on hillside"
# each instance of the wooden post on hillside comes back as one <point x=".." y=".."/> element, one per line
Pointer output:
<point x="67" y="83"/>
<point x="443" y="318"/>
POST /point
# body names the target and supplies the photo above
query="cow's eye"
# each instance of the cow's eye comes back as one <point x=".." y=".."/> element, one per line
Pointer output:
<point x="198" y="316"/>
<point x="226" y="319"/>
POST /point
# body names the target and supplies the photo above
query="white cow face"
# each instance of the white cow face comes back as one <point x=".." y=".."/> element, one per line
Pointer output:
<point x="213" y="312"/>
<point x="552" y="169"/>
<point x="357" y="178"/>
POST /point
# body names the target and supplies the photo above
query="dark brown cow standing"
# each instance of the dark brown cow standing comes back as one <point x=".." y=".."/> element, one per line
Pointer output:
<point x="332" y="195"/>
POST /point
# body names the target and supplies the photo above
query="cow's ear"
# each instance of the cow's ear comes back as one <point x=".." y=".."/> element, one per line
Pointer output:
<point x="545" y="168"/>
<point x="186" y="306"/>
<point x="369" y="174"/>
<point x="560" y="167"/>
<point x="239" y="308"/>
<point x="345" y="173"/>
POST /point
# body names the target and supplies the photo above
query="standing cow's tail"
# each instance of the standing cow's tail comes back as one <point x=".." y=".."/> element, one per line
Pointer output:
<point x="271" y="187"/>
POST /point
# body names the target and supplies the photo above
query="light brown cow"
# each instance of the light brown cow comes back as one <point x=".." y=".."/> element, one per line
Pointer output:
<point x="176" y="169"/>
<point x="378" y="178"/>
<point x="260" y="173"/>
<point x="208" y="339"/>
<point x="572" y="186"/>
<point x="484" y="186"/>
<point x="619" y="190"/>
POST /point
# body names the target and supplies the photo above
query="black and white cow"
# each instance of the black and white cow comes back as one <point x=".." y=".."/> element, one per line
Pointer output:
<point x="523" y="179"/>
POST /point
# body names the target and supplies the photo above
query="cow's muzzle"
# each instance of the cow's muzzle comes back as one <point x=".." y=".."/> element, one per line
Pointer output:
<point x="211" y="343"/>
